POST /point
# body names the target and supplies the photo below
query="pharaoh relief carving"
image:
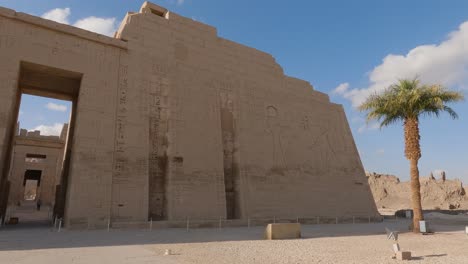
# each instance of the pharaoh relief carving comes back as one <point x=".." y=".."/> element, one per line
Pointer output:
<point x="273" y="129"/>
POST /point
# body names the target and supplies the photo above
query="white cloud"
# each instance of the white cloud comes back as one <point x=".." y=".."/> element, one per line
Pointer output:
<point x="366" y="127"/>
<point x="361" y="154"/>
<point x="53" y="130"/>
<point x="59" y="15"/>
<point x="56" y="107"/>
<point x="104" y="26"/>
<point x="357" y="119"/>
<point x="380" y="151"/>
<point x="445" y="63"/>
<point x="341" y="89"/>
<point x="363" y="126"/>
<point x="438" y="172"/>
<point x="176" y="2"/>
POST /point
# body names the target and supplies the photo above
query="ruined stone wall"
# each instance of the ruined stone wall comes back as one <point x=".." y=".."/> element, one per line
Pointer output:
<point x="177" y="113"/>
<point x="174" y="122"/>
<point x="24" y="38"/>
<point x="242" y="139"/>
<point x="50" y="168"/>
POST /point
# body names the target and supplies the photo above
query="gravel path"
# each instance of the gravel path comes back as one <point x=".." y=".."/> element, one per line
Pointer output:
<point x="346" y="243"/>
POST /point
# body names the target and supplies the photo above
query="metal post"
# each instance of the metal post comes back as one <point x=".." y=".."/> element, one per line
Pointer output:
<point x="151" y="224"/>
<point x="55" y="222"/>
<point x="188" y="224"/>
<point x="297" y="219"/>
<point x="108" y="224"/>
<point x="60" y="225"/>
<point x="8" y="214"/>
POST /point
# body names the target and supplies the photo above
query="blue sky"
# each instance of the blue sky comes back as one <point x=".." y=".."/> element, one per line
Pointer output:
<point x="44" y="114"/>
<point x="332" y="44"/>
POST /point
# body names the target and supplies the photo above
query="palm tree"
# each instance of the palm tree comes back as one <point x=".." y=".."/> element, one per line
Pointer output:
<point x="407" y="101"/>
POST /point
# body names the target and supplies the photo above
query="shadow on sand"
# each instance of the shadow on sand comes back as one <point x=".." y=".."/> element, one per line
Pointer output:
<point x="428" y="256"/>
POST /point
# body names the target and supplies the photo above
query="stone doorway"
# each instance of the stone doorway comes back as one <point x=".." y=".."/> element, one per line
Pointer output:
<point x="31" y="184"/>
<point x="46" y="82"/>
<point x="30" y="190"/>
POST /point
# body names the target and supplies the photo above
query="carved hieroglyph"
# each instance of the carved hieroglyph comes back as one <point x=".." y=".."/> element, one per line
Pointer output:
<point x="172" y="122"/>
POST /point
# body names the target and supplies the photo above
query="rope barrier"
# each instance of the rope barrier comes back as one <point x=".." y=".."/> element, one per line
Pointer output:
<point x="222" y="222"/>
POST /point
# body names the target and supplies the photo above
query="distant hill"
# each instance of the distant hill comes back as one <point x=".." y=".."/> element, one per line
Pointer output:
<point x="390" y="194"/>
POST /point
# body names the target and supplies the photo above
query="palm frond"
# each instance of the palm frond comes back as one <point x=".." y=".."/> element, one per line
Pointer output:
<point x="408" y="98"/>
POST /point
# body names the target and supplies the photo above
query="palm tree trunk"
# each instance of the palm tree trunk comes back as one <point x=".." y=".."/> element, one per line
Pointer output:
<point x="413" y="154"/>
<point x="416" y="195"/>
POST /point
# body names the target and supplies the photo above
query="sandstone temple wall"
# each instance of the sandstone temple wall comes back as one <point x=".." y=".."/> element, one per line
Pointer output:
<point x="173" y="121"/>
<point x="38" y="153"/>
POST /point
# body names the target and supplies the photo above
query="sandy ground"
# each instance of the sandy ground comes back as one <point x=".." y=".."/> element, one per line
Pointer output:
<point x="343" y="243"/>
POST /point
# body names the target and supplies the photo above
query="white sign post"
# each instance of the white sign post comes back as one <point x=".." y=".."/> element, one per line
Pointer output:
<point x="422" y="227"/>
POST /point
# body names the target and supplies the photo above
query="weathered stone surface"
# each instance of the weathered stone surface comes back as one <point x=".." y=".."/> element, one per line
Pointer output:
<point x="403" y="255"/>
<point x="173" y="122"/>
<point x="283" y="231"/>
<point x="36" y="153"/>
<point x="391" y="195"/>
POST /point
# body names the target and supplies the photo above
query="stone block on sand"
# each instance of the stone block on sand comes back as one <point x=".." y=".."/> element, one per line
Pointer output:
<point x="403" y="255"/>
<point x="283" y="231"/>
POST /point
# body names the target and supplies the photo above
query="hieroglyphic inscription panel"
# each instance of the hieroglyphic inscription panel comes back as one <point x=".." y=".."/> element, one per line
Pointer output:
<point x="121" y="162"/>
<point x="231" y="172"/>
<point x="157" y="160"/>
